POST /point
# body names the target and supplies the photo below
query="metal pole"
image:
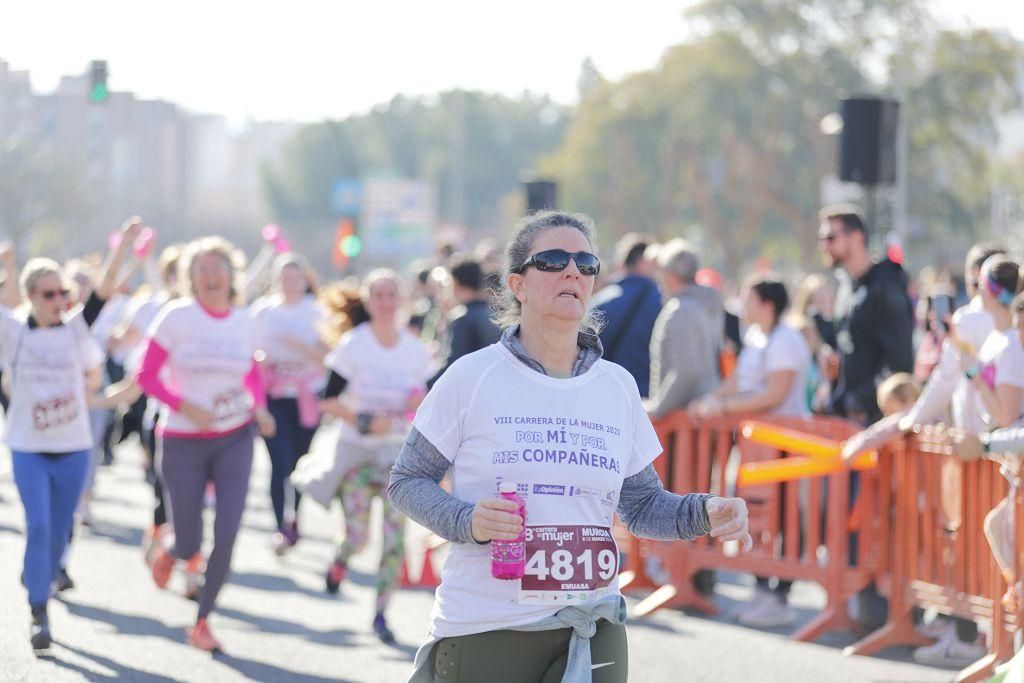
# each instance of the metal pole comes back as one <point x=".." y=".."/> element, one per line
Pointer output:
<point x="871" y="213"/>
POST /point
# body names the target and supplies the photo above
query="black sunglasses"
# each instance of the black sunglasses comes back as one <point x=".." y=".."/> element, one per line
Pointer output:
<point x="557" y="260"/>
<point x="51" y="294"/>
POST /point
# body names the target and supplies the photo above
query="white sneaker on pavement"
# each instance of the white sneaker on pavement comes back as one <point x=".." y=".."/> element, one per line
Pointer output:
<point x="950" y="651"/>
<point x="766" y="611"/>
<point x="938" y="628"/>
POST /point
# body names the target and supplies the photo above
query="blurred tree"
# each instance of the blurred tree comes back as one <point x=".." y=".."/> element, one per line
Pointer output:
<point x="955" y="85"/>
<point x="724" y="133"/>
<point x="299" y="187"/>
<point x="588" y="79"/>
<point x="474" y="146"/>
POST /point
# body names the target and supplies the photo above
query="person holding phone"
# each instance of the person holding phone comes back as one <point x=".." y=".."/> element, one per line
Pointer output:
<point x="935" y="320"/>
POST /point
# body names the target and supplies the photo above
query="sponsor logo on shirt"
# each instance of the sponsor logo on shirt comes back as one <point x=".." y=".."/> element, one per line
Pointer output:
<point x="549" y="489"/>
<point x="609" y="499"/>
<point x="506" y="457"/>
<point x="522" y="490"/>
<point x="584" y="492"/>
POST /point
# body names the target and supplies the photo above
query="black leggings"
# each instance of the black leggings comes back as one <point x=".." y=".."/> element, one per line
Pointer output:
<point x="159" y="509"/>
<point x="290" y="442"/>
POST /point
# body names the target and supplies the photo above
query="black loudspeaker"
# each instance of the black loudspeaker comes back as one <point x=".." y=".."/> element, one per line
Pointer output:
<point x="541" y="195"/>
<point x="867" y="148"/>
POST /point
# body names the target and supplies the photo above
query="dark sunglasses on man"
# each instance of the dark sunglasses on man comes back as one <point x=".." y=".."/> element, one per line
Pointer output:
<point x="557" y="260"/>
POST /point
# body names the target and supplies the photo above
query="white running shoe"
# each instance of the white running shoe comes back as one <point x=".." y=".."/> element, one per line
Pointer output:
<point x="950" y="651"/>
<point x="766" y="611"/>
<point x="938" y="628"/>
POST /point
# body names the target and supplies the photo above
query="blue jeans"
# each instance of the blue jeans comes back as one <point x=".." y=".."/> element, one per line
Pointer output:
<point x="50" y="487"/>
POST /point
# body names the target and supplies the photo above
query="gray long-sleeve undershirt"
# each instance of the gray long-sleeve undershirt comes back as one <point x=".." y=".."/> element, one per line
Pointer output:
<point x="647" y="509"/>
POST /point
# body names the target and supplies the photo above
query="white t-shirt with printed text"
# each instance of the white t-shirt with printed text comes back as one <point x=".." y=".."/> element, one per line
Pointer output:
<point x="784" y="349"/>
<point x="381" y="379"/>
<point x="208" y="359"/>
<point x="141" y="316"/>
<point x="276" y="320"/>
<point x="568" y="444"/>
<point x="45" y="369"/>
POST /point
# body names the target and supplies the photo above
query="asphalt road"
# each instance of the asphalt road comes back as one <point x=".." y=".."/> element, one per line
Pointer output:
<point x="277" y="623"/>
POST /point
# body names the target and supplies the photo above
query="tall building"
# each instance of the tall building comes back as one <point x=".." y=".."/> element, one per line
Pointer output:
<point x="185" y="173"/>
<point x="17" y="106"/>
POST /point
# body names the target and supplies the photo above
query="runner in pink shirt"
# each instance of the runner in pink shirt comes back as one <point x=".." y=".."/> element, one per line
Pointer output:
<point x="200" y="365"/>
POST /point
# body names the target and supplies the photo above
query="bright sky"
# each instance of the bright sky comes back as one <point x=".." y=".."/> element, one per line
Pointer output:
<point x="306" y="59"/>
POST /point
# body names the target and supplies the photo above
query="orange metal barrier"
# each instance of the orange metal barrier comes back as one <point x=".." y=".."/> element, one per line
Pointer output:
<point x="941" y="558"/>
<point x="703" y="455"/>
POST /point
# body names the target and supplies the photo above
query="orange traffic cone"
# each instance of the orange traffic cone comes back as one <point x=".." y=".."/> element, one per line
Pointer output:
<point x="427" y="576"/>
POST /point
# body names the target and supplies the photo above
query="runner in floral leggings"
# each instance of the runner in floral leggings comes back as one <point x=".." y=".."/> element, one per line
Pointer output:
<point x="357" y="491"/>
<point x="378" y="377"/>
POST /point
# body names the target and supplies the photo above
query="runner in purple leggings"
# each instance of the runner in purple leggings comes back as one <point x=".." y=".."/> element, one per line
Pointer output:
<point x="200" y="365"/>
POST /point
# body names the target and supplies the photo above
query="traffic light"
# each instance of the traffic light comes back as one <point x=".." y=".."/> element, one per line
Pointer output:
<point x="98" y="92"/>
<point x="347" y="244"/>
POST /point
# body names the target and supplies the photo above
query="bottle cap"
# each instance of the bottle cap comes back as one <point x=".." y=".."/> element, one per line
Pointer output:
<point x="507" y="487"/>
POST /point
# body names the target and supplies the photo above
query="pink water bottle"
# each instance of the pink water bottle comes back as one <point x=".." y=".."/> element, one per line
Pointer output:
<point x="508" y="558"/>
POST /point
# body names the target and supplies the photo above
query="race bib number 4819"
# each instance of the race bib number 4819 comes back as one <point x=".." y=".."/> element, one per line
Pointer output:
<point x="567" y="564"/>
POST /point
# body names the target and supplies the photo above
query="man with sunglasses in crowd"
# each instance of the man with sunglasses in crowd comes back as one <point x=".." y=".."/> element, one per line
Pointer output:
<point x="874" y="325"/>
<point x="873" y="318"/>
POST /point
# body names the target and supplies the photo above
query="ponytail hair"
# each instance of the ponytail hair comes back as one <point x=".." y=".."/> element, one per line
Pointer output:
<point x="343" y="304"/>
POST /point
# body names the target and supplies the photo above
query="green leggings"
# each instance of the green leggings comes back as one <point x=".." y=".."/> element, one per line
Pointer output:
<point x="529" y="657"/>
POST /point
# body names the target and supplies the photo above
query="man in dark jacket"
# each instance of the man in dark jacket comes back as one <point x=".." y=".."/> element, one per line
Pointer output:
<point x="630" y="306"/>
<point x="874" y="325"/>
<point x="873" y="319"/>
<point x="470" y="327"/>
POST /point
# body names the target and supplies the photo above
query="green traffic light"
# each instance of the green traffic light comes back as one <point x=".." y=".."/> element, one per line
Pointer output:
<point x="98" y="93"/>
<point x="351" y="246"/>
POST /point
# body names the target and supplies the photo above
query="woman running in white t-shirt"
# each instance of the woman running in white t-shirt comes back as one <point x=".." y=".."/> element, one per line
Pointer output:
<point x="52" y="361"/>
<point x="129" y="394"/>
<point x="542" y="410"/>
<point x="200" y="364"/>
<point x="288" y="333"/>
<point x="136" y="337"/>
<point x="378" y="375"/>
